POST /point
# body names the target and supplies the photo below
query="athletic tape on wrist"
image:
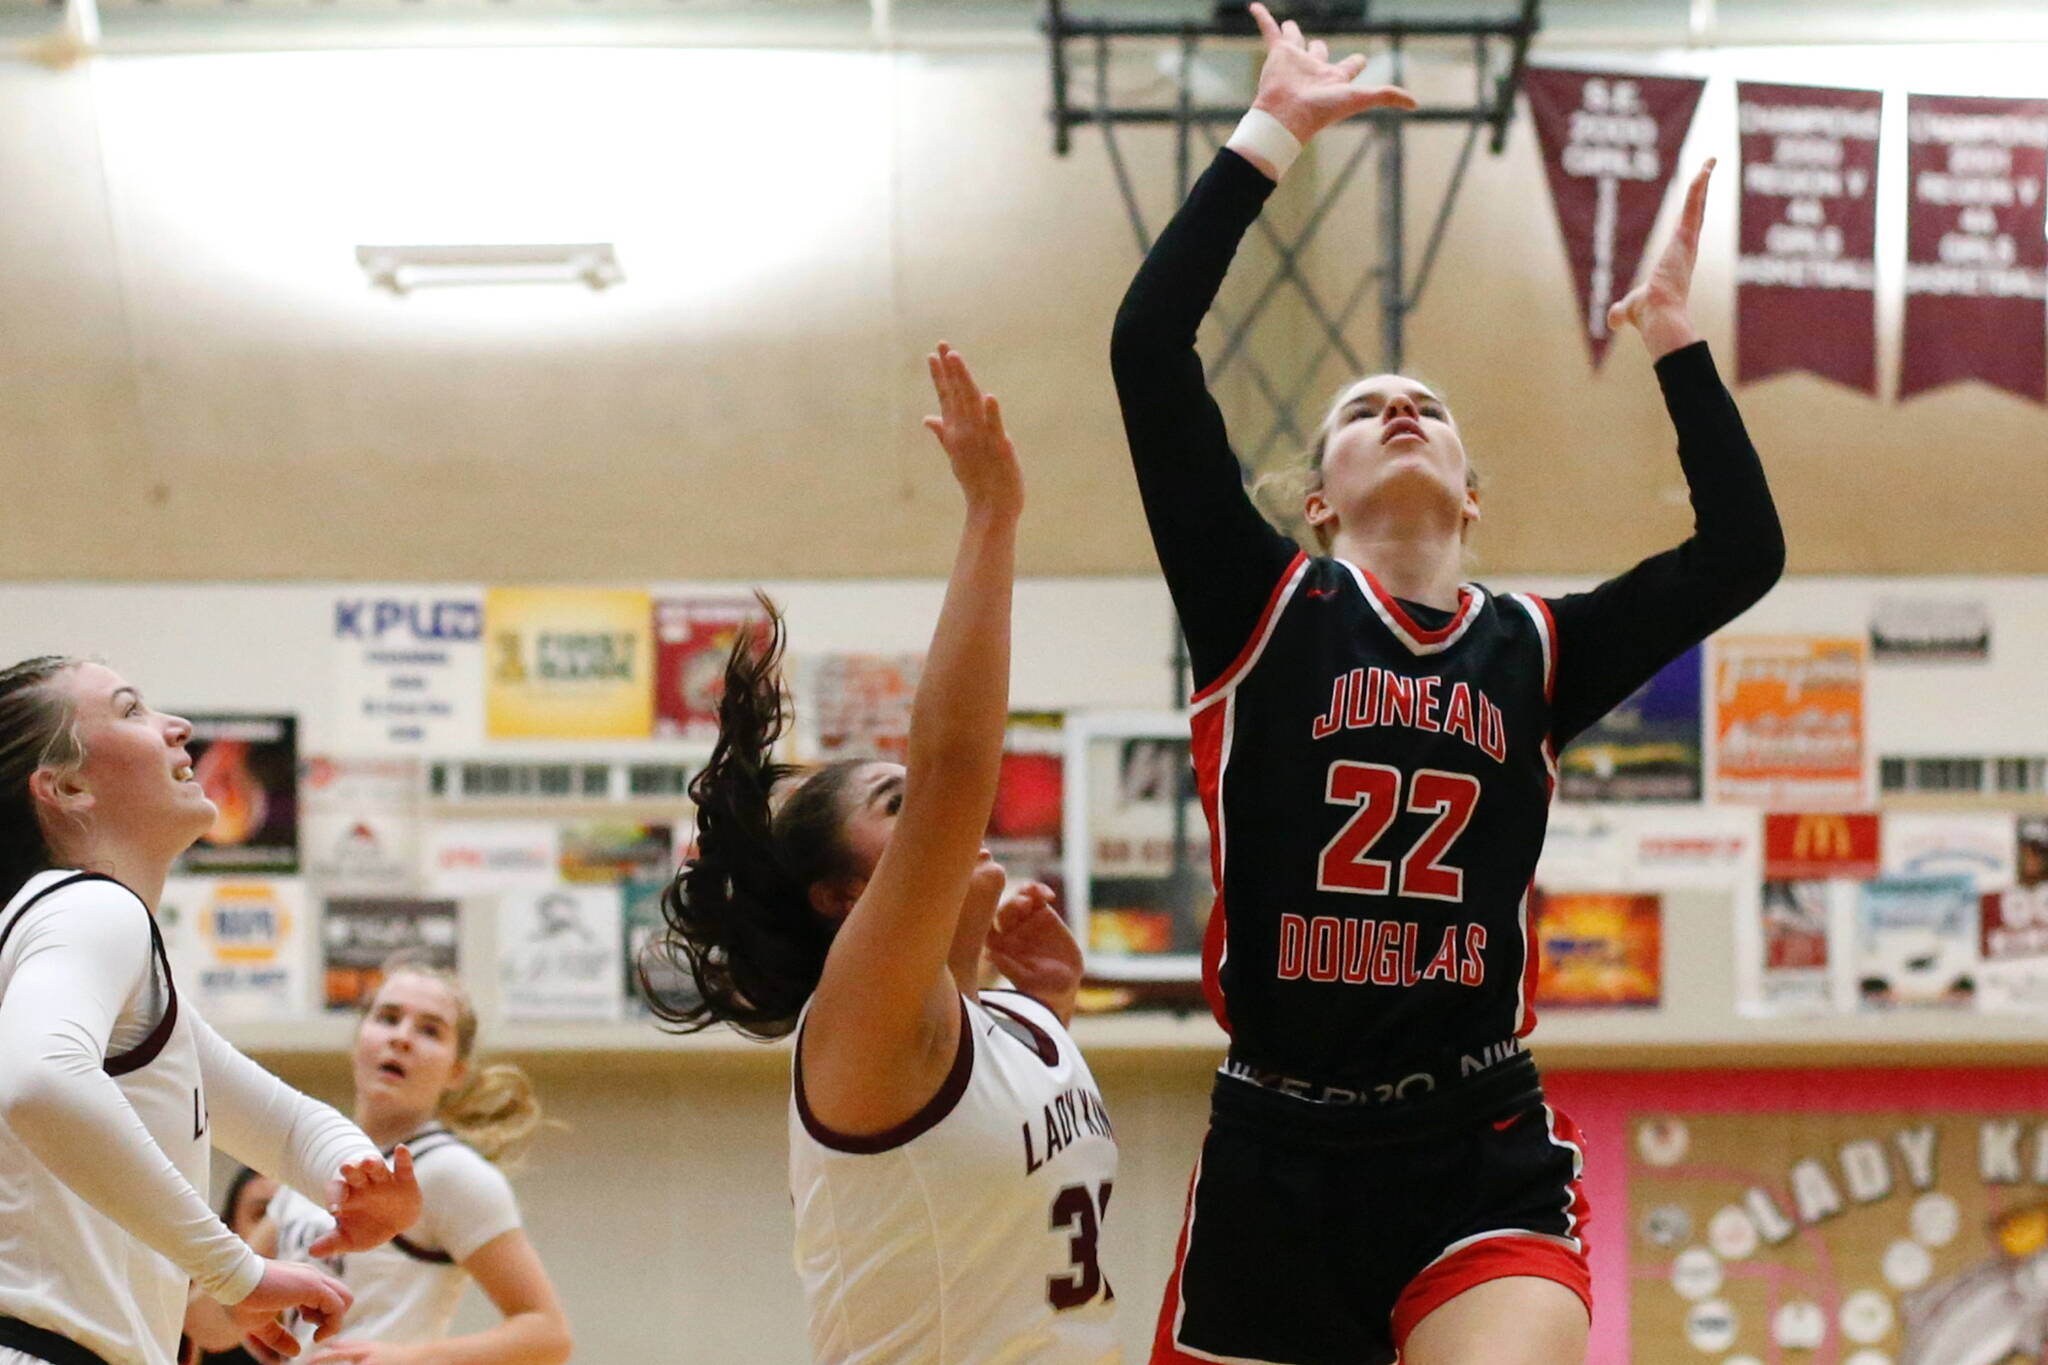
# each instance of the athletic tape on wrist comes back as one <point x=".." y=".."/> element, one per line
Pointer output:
<point x="1259" y="132"/>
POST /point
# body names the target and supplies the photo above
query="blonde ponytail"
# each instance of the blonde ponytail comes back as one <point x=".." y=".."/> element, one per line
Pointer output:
<point x="496" y="1111"/>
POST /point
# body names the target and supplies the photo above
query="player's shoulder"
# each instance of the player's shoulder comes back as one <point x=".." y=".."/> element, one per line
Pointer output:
<point x="75" y="889"/>
<point x="443" y="1161"/>
<point x="88" y="902"/>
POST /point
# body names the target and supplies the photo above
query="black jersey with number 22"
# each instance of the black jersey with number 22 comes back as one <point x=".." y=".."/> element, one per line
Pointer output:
<point x="1377" y="791"/>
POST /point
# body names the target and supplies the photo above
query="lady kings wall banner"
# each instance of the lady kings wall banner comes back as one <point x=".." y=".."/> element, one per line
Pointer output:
<point x="1610" y="145"/>
<point x="1849" y="1217"/>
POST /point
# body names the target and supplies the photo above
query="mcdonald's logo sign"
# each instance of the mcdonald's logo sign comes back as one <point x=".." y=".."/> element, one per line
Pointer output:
<point x="1813" y="844"/>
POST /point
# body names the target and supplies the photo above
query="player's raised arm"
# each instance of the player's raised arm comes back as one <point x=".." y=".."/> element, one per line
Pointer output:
<point x="883" y="1026"/>
<point x="1221" y="558"/>
<point x="1613" y="639"/>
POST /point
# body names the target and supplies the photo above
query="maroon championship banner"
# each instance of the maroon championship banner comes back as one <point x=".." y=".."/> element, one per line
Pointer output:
<point x="1806" y="277"/>
<point x="1975" y="256"/>
<point x="1610" y="144"/>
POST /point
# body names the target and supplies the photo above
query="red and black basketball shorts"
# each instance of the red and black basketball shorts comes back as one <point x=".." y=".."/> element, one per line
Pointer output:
<point x="1304" y="1248"/>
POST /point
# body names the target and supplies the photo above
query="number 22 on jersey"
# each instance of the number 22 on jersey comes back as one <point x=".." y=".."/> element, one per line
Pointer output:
<point x="1377" y="792"/>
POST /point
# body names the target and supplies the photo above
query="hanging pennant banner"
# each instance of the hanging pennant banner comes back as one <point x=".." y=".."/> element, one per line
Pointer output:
<point x="1975" y="256"/>
<point x="1806" y="278"/>
<point x="1610" y="143"/>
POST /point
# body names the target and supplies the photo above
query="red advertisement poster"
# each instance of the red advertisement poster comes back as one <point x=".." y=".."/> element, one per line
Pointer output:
<point x="1813" y="845"/>
<point x="1975" y="255"/>
<point x="1610" y="146"/>
<point x="1806" y="276"/>
<point x="248" y="766"/>
<point x="692" y="639"/>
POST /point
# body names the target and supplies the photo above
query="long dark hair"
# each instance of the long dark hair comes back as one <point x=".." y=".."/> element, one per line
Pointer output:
<point x="37" y="729"/>
<point x="739" y="918"/>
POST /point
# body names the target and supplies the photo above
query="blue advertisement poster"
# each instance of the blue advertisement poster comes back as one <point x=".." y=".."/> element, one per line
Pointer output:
<point x="1647" y="748"/>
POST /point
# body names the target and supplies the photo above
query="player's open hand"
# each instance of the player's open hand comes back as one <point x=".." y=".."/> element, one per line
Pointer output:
<point x="287" y="1286"/>
<point x="1029" y="942"/>
<point x="1660" y="307"/>
<point x="970" y="427"/>
<point x="371" y="1203"/>
<point x="1305" y="90"/>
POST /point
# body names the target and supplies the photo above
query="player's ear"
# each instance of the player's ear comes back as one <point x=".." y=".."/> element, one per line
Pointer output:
<point x="1316" y="509"/>
<point x="834" y="898"/>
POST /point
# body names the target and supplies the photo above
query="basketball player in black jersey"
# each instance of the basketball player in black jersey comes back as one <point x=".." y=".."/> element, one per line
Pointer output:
<point x="1376" y="746"/>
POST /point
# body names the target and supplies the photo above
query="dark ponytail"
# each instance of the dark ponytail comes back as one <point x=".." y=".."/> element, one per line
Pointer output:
<point x="740" y="923"/>
<point x="37" y="730"/>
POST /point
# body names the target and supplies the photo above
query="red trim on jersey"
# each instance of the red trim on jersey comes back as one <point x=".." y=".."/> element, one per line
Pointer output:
<point x="1467" y="600"/>
<point x="1215" y="940"/>
<point x="1496" y="1258"/>
<point x="1164" y="1349"/>
<point x="1531" y="959"/>
<point x="1510" y="1253"/>
<point x="916" y="1126"/>
<point x="1550" y="654"/>
<point x="1258" y="636"/>
<point x="1207" y="730"/>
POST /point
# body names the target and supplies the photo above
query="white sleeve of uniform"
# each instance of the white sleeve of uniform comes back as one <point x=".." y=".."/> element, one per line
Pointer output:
<point x="263" y="1123"/>
<point x="467" y="1201"/>
<point x="78" y="956"/>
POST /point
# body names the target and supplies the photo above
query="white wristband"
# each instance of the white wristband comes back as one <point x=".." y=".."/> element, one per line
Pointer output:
<point x="1267" y="138"/>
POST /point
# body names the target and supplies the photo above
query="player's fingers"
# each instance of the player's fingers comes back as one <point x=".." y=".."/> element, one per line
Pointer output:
<point x="946" y="381"/>
<point x="1696" y="203"/>
<point x="335" y="1241"/>
<point x="1319" y="50"/>
<point x="274" y="1337"/>
<point x="1268" y="29"/>
<point x="1291" y="31"/>
<point x="970" y="391"/>
<point x="1351" y="66"/>
<point x="1386" y="97"/>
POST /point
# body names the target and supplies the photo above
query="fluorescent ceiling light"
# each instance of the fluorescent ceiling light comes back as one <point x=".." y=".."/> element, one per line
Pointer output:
<point x="402" y="269"/>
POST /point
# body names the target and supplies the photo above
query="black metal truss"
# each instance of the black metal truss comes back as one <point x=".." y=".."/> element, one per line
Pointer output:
<point x="1499" y="48"/>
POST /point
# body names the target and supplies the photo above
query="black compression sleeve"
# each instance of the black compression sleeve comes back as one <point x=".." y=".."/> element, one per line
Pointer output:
<point x="1614" y="639"/>
<point x="1221" y="558"/>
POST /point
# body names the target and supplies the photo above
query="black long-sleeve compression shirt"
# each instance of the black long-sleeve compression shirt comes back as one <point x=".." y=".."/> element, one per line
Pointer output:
<point x="1221" y="557"/>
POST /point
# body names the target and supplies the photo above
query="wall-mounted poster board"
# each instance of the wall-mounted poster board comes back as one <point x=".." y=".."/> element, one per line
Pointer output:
<point x="1814" y="1215"/>
<point x="1137" y="846"/>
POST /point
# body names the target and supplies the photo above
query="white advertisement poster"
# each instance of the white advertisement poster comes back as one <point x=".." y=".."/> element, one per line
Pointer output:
<point x="1650" y="848"/>
<point x="1979" y="847"/>
<point x="360" y="823"/>
<point x="2014" y="945"/>
<point x="479" y="857"/>
<point x="238" y="946"/>
<point x="409" y="670"/>
<point x="560" y="953"/>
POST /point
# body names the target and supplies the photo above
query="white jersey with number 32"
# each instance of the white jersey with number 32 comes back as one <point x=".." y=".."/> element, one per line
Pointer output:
<point x="970" y="1234"/>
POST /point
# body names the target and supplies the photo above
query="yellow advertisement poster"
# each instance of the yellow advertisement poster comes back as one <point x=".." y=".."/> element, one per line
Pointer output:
<point x="568" y="663"/>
